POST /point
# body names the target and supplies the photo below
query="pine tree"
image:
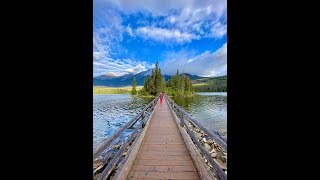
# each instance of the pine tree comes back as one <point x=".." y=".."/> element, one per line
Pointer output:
<point x="145" y="86"/>
<point x="152" y="83"/>
<point x="159" y="82"/>
<point x="175" y="81"/>
<point x="134" y="85"/>
<point x="156" y="80"/>
<point x="183" y="83"/>
<point x="179" y="85"/>
<point x="163" y="84"/>
<point x="179" y="82"/>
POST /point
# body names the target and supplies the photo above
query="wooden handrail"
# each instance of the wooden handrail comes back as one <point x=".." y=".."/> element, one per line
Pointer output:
<point x="220" y="173"/>
<point x="104" y="144"/>
<point x="197" y="124"/>
<point x="105" y="173"/>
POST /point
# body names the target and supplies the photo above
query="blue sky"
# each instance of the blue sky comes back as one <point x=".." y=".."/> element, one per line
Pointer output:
<point x="129" y="36"/>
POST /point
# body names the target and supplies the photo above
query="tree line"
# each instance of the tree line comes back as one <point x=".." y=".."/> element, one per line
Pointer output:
<point x="154" y="84"/>
<point x="179" y="85"/>
<point x="214" y="85"/>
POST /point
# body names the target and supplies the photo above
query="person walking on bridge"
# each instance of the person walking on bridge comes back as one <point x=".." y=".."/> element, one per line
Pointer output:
<point x="161" y="97"/>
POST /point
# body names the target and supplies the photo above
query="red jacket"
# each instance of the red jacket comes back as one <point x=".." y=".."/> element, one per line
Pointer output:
<point x="161" y="96"/>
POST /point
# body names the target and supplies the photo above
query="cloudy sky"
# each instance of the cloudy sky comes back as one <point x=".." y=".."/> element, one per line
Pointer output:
<point x="129" y="36"/>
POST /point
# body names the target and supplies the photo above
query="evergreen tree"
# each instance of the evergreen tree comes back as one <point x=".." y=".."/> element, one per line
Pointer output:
<point x="179" y="85"/>
<point x="178" y="81"/>
<point x="156" y="80"/>
<point x="163" y="84"/>
<point x="183" y="84"/>
<point x="145" y="84"/>
<point x="152" y="83"/>
<point x="134" y="85"/>
<point x="159" y="85"/>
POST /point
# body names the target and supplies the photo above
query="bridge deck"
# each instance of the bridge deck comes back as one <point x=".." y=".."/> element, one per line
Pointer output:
<point x="163" y="153"/>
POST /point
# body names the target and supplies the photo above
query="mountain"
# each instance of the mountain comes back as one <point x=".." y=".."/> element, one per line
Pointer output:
<point x="126" y="80"/>
<point x="210" y="84"/>
<point x="207" y="79"/>
<point x="106" y="76"/>
<point x="192" y="77"/>
<point x="118" y="81"/>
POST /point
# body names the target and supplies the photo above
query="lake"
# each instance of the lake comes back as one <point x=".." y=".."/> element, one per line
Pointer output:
<point x="209" y="108"/>
<point x="112" y="111"/>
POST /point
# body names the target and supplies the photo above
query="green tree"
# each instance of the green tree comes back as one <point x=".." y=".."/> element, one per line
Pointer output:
<point x="152" y="83"/>
<point x="179" y="85"/>
<point x="159" y="80"/>
<point x="156" y="74"/>
<point x="163" y="84"/>
<point x="178" y="82"/>
<point x="134" y="85"/>
<point x="145" y="84"/>
<point x="183" y="83"/>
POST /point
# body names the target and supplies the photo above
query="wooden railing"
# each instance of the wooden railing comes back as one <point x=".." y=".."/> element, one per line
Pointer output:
<point x="108" y="163"/>
<point x="185" y="118"/>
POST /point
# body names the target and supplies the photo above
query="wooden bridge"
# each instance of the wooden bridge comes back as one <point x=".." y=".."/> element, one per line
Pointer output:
<point x="165" y="143"/>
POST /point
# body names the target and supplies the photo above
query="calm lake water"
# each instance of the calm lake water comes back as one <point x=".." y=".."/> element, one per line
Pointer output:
<point x="112" y="111"/>
<point x="209" y="108"/>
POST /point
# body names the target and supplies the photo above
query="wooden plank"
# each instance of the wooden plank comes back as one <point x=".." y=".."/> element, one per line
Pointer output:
<point x="163" y="153"/>
<point x="154" y="179"/>
<point x="164" y="162"/>
<point x="156" y="149"/>
<point x="164" y="146"/>
<point x="203" y="170"/>
<point x="163" y="141"/>
<point x="124" y="168"/>
<point x="163" y="157"/>
<point x="161" y="175"/>
<point x="134" y="178"/>
<point x="169" y="153"/>
<point x="164" y="168"/>
<point x="169" y="137"/>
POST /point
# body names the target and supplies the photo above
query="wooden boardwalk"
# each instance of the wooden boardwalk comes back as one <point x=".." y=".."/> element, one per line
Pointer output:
<point x="163" y="153"/>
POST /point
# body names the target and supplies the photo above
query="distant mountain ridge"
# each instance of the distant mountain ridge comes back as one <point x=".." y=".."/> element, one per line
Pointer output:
<point x="126" y="80"/>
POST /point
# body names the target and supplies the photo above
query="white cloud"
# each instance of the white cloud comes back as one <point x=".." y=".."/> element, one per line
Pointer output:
<point x="129" y="30"/>
<point x="119" y="67"/>
<point x="193" y="17"/>
<point x="200" y="19"/>
<point x="138" y="68"/>
<point x="163" y="7"/>
<point x="218" y="30"/>
<point x="184" y="21"/>
<point x="102" y="61"/>
<point x="206" y="64"/>
<point x="163" y="35"/>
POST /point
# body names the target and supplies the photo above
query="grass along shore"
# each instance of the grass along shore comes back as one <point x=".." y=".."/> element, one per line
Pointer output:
<point x="113" y="90"/>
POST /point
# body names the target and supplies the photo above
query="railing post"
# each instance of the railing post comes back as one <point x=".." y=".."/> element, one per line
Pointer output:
<point x="143" y="116"/>
<point x="181" y="119"/>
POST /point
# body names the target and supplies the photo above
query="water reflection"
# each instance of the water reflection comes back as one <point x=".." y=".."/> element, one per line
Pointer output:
<point x="111" y="112"/>
<point x="210" y="109"/>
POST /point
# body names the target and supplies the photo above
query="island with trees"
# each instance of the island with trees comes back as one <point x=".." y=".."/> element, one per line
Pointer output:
<point x="177" y="85"/>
